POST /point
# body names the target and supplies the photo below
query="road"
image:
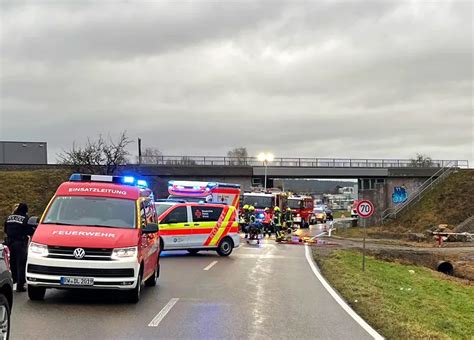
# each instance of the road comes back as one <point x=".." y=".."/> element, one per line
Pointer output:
<point x="267" y="291"/>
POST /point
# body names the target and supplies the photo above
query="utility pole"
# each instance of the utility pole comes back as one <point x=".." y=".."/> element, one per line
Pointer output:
<point x="139" y="151"/>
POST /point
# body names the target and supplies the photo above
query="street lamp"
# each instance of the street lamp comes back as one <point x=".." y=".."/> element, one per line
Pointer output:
<point x="265" y="158"/>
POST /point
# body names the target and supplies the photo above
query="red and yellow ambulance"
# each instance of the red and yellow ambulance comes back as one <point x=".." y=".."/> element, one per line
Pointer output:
<point x="195" y="226"/>
<point x="205" y="192"/>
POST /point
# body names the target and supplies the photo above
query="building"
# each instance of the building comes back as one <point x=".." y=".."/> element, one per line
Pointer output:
<point x="23" y="152"/>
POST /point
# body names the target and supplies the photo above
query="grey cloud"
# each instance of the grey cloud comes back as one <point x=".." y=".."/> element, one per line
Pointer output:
<point x="344" y="79"/>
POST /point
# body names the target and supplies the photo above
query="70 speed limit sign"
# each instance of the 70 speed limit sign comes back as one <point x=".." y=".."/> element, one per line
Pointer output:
<point x="365" y="209"/>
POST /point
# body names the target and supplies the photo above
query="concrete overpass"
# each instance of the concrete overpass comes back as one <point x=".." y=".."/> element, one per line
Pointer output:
<point x="377" y="178"/>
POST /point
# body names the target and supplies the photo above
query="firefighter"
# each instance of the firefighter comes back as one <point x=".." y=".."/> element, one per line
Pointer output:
<point x="254" y="226"/>
<point x="288" y="218"/>
<point x="277" y="224"/>
<point x="17" y="230"/>
<point x="245" y="219"/>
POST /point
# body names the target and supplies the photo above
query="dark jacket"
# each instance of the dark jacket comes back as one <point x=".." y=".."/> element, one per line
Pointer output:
<point x="17" y="227"/>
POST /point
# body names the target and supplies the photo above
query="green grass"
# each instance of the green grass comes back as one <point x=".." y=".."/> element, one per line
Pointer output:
<point x="338" y="214"/>
<point x="32" y="187"/>
<point x="399" y="304"/>
<point x="449" y="202"/>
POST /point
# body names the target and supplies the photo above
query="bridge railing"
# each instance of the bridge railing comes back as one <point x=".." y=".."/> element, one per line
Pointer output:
<point x="297" y="162"/>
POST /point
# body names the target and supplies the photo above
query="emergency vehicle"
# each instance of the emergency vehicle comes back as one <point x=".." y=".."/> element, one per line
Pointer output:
<point x="205" y="192"/>
<point x="262" y="200"/>
<point x="196" y="226"/>
<point x="302" y="209"/>
<point x="98" y="232"/>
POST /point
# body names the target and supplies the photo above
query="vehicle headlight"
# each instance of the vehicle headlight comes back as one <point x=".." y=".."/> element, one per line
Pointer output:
<point x="120" y="253"/>
<point x="38" y="249"/>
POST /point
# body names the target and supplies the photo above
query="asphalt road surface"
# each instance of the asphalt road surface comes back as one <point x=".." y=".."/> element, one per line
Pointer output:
<point x="259" y="292"/>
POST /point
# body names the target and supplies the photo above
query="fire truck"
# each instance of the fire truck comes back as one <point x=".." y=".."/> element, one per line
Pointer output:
<point x="302" y="209"/>
<point x="205" y="192"/>
<point x="262" y="200"/>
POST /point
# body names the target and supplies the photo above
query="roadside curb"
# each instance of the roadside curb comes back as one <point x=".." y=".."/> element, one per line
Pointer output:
<point x="314" y="267"/>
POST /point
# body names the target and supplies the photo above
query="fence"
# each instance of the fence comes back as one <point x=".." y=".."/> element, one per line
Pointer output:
<point x="298" y="162"/>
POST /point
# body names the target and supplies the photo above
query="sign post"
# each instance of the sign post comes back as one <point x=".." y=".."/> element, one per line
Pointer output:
<point x="365" y="209"/>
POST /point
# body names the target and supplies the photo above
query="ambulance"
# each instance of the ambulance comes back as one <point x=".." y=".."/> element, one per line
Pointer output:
<point x="205" y="192"/>
<point x="98" y="232"/>
<point x="302" y="209"/>
<point x="195" y="226"/>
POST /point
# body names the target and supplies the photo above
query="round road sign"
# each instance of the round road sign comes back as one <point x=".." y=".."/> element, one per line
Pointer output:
<point x="365" y="209"/>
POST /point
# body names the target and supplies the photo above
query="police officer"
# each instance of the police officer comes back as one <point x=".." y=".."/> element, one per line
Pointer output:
<point x="17" y="230"/>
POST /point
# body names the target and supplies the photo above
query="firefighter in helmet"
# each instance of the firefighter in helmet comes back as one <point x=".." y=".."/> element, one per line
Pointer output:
<point x="277" y="224"/>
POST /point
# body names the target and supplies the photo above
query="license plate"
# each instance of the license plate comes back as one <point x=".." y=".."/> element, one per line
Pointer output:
<point x="77" y="281"/>
<point x="297" y="219"/>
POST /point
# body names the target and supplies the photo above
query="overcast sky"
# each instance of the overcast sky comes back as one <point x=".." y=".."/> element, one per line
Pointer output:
<point x="377" y="78"/>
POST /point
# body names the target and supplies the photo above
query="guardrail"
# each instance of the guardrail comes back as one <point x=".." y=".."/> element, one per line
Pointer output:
<point x="427" y="186"/>
<point x="297" y="162"/>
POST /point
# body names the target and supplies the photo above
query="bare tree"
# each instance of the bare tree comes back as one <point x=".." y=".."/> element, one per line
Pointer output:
<point x="238" y="156"/>
<point x="99" y="155"/>
<point x="152" y="156"/>
<point x="421" y="161"/>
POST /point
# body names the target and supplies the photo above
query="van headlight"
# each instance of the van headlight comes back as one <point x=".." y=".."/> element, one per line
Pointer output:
<point x="38" y="249"/>
<point x="120" y="253"/>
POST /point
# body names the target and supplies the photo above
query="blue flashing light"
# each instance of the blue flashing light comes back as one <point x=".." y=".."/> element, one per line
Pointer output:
<point x="142" y="183"/>
<point x="75" y="177"/>
<point x="128" y="180"/>
<point x="261" y="215"/>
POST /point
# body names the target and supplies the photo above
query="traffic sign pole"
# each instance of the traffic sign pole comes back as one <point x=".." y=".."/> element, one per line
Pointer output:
<point x="365" y="209"/>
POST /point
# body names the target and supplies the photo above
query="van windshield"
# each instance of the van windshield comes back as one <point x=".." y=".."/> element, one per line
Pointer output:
<point x="161" y="208"/>
<point x="92" y="212"/>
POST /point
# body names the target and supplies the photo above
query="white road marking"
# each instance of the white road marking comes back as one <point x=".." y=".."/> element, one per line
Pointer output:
<point x="161" y="315"/>
<point x="212" y="264"/>
<point x="339" y="300"/>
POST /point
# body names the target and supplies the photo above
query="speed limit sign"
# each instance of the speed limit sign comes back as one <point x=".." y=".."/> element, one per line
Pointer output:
<point x="365" y="209"/>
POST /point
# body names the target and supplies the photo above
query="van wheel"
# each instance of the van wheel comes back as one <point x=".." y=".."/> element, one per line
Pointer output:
<point x="133" y="295"/>
<point x="193" y="251"/>
<point x="225" y="247"/>
<point x="36" y="293"/>
<point x="151" y="281"/>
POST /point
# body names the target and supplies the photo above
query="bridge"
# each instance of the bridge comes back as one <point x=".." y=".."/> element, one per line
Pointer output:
<point x="377" y="178"/>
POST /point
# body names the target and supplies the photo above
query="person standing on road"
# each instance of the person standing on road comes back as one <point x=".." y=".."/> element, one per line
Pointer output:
<point x="17" y="231"/>
<point x="245" y="220"/>
<point x="288" y="218"/>
<point x="277" y="223"/>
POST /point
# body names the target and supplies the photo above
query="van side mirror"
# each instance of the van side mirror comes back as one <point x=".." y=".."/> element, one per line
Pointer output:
<point x="150" y="228"/>
<point x="33" y="221"/>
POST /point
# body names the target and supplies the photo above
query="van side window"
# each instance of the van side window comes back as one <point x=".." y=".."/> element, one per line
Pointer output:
<point x="147" y="212"/>
<point x="206" y="214"/>
<point x="177" y="215"/>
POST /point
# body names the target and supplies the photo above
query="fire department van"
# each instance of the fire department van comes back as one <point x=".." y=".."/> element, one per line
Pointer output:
<point x="205" y="192"/>
<point x="198" y="226"/>
<point x="302" y="208"/>
<point x="98" y="232"/>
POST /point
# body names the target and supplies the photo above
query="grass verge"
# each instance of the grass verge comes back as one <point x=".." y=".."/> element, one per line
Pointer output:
<point x="398" y="303"/>
<point x="32" y="187"/>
